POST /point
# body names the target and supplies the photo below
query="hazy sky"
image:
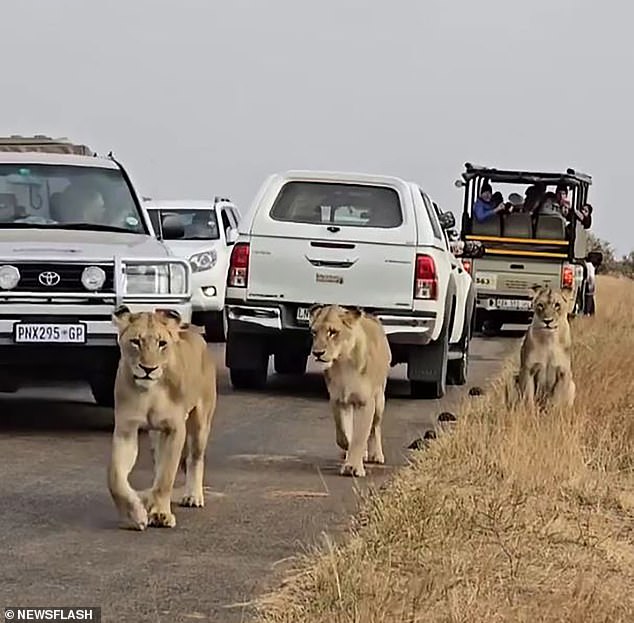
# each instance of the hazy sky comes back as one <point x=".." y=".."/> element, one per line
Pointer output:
<point x="199" y="98"/>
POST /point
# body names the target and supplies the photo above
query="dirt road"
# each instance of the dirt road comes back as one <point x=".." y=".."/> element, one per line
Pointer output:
<point x="272" y="488"/>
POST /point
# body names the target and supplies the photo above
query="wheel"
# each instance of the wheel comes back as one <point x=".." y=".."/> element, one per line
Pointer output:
<point x="429" y="361"/>
<point x="215" y="327"/>
<point x="291" y="362"/>
<point x="102" y="387"/>
<point x="248" y="379"/>
<point x="458" y="369"/>
<point x="491" y="328"/>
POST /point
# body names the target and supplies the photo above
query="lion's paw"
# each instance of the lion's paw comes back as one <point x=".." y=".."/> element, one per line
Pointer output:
<point x="164" y="519"/>
<point x="357" y="471"/>
<point x="137" y="517"/>
<point x="193" y="501"/>
<point x="377" y="458"/>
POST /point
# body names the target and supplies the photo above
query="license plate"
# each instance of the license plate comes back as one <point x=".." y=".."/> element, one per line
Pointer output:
<point x="303" y="315"/>
<point x="47" y="333"/>
<point x="513" y="304"/>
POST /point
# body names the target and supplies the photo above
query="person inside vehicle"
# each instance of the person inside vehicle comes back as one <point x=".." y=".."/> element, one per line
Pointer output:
<point x="7" y="208"/>
<point x="533" y="197"/>
<point x="483" y="208"/>
<point x="584" y="216"/>
<point x="201" y="226"/>
<point x="562" y="199"/>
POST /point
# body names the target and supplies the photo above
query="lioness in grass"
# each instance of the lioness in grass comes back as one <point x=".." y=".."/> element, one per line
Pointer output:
<point x="355" y="350"/>
<point x="545" y="375"/>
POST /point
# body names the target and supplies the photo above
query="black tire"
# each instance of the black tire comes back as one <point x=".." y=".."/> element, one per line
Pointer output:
<point x="215" y="328"/>
<point x="290" y="363"/>
<point x="458" y="369"/>
<point x="248" y="379"/>
<point x="491" y="328"/>
<point x="438" y="353"/>
<point x="102" y="388"/>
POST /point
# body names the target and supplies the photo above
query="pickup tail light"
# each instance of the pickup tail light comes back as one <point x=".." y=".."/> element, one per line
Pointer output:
<point x="567" y="277"/>
<point x="467" y="265"/>
<point x="425" y="278"/>
<point x="238" y="275"/>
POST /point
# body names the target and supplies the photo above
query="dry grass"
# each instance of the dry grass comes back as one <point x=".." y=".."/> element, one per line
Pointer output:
<point x="511" y="517"/>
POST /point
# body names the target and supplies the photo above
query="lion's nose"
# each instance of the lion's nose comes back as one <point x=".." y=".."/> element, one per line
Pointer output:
<point x="548" y="322"/>
<point x="318" y="353"/>
<point x="148" y="370"/>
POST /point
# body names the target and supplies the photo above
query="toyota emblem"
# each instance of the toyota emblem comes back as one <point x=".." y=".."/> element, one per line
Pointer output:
<point x="49" y="278"/>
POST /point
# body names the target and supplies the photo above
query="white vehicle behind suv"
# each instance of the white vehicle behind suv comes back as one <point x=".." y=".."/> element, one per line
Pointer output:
<point x="368" y="241"/>
<point x="209" y="228"/>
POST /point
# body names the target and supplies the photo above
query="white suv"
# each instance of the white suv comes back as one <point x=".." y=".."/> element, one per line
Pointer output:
<point x="74" y="243"/>
<point x="370" y="241"/>
<point x="209" y="230"/>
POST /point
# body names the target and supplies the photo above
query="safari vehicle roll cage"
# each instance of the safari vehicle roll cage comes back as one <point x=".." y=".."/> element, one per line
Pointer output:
<point x="548" y="245"/>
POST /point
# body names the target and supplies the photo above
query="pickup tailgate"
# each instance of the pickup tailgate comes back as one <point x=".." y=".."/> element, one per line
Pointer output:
<point x="515" y="276"/>
<point x="334" y="243"/>
<point x="315" y="269"/>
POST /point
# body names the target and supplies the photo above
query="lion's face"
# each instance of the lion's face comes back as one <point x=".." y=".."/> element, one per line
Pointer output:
<point x="549" y="307"/>
<point x="145" y="340"/>
<point x="332" y="328"/>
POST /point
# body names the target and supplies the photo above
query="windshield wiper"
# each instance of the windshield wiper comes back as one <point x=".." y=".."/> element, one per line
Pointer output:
<point x="93" y="227"/>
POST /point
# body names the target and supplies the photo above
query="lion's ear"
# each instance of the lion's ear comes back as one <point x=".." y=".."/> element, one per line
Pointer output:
<point x="121" y="317"/>
<point x="536" y="289"/>
<point x="351" y="316"/>
<point x="314" y="310"/>
<point x="170" y="316"/>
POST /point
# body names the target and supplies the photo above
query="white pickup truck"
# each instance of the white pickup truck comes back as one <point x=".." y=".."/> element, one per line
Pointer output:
<point x="74" y="243"/>
<point x="368" y="241"/>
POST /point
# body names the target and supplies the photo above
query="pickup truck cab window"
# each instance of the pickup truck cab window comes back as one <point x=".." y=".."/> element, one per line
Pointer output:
<point x="324" y="203"/>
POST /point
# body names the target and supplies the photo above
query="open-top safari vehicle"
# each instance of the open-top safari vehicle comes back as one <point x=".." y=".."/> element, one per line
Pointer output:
<point x="525" y="241"/>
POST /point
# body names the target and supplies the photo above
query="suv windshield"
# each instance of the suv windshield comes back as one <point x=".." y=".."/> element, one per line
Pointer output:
<point x="198" y="224"/>
<point x="338" y="204"/>
<point x="67" y="197"/>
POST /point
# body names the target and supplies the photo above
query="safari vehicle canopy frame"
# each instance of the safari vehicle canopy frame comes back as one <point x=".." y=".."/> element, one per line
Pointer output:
<point x="578" y="183"/>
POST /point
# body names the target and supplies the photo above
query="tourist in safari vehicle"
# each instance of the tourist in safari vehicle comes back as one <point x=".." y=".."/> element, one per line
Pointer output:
<point x="537" y="235"/>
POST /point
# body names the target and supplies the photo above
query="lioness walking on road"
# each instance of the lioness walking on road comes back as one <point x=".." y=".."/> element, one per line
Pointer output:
<point x="355" y="350"/>
<point x="166" y="382"/>
<point x="545" y="375"/>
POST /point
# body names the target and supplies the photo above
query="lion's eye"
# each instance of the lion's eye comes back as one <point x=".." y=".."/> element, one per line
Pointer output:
<point x="332" y="332"/>
<point x="135" y="342"/>
<point x="162" y="343"/>
<point x="557" y="306"/>
<point x="540" y="307"/>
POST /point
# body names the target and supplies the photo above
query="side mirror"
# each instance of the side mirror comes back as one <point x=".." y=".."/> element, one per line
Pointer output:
<point x="173" y="228"/>
<point x="459" y="184"/>
<point x="447" y="220"/>
<point x="232" y="236"/>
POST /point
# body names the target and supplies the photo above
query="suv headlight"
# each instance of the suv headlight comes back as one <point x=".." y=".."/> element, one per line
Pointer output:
<point x="155" y="279"/>
<point x="203" y="261"/>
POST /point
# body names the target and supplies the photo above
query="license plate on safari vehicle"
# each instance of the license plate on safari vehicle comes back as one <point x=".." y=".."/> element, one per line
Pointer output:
<point x="49" y="333"/>
<point x="513" y="304"/>
<point x="302" y="314"/>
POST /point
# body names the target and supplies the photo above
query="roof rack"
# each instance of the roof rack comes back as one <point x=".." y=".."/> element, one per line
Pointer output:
<point x="571" y="177"/>
<point x="218" y="199"/>
<point x="41" y="143"/>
